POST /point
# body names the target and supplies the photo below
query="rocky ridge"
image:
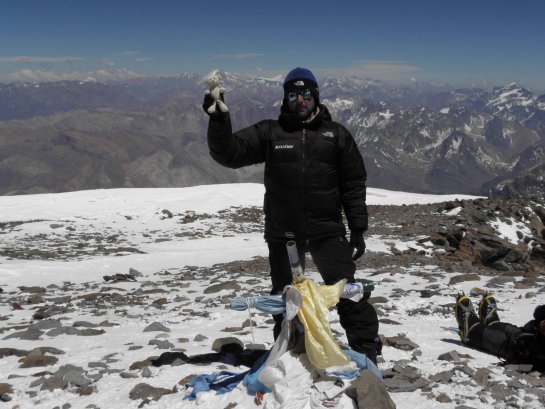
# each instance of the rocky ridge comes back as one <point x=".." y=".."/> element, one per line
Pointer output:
<point x="151" y="132"/>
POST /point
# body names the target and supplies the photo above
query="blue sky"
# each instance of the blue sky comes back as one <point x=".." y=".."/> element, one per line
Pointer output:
<point x="477" y="42"/>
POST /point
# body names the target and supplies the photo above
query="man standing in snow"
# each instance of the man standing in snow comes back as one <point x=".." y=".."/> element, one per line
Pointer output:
<point x="313" y="172"/>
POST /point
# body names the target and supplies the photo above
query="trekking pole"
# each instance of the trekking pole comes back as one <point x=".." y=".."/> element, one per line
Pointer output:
<point x="251" y="323"/>
<point x="297" y="272"/>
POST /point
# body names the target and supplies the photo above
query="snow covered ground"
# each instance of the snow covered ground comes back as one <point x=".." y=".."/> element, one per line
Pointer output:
<point x="66" y="243"/>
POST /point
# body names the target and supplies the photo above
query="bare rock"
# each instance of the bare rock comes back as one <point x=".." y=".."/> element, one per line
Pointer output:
<point x="116" y="278"/>
<point x="186" y="379"/>
<point x="443" y="398"/>
<point x="128" y="375"/>
<point x="453" y="356"/>
<point x="371" y="392"/>
<point x="463" y="278"/>
<point x="12" y="351"/>
<point x="143" y="390"/>
<point x="27" y="335"/>
<point x="36" y="299"/>
<point x="33" y="361"/>
<point x="75" y="375"/>
<point x="5" y="388"/>
<point x="54" y="382"/>
<point x="156" y="326"/>
<point x="85" y="324"/>
<point x="161" y="343"/>
<point x="218" y="344"/>
<point x="86" y="390"/>
<point x="140" y="364"/>
<point x="443" y="376"/>
<point x="46" y="350"/>
<point x="146" y="372"/>
<point x="407" y="380"/>
<point x="216" y="288"/>
<point x="481" y="377"/>
<point x="32" y="290"/>
<point x="200" y="337"/>
<point x="401" y="342"/>
<point x="90" y="332"/>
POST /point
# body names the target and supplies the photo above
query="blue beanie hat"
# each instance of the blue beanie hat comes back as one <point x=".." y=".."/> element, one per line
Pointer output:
<point x="300" y="74"/>
<point x="301" y="78"/>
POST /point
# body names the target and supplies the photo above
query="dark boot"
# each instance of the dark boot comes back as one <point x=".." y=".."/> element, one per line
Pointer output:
<point x="465" y="316"/>
<point x="371" y="349"/>
<point x="488" y="310"/>
<point x="360" y="321"/>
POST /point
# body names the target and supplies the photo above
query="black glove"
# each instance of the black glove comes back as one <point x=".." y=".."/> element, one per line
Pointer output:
<point x="357" y="242"/>
<point x="208" y="102"/>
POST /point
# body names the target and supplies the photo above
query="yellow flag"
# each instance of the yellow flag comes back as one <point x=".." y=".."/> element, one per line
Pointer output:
<point x="322" y="350"/>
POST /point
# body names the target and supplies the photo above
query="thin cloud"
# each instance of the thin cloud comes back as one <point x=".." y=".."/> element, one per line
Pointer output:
<point x="383" y="70"/>
<point x="107" y="62"/>
<point x="136" y="55"/>
<point x="37" y="59"/>
<point x="27" y="75"/>
<point x="240" y="56"/>
<point x="130" y="53"/>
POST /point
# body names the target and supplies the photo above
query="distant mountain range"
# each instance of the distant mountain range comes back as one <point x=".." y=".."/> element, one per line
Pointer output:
<point x="151" y="132"/>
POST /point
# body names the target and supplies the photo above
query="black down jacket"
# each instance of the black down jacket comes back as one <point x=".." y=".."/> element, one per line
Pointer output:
<point x="531" y="341"/>
<point x="313" y="171"/>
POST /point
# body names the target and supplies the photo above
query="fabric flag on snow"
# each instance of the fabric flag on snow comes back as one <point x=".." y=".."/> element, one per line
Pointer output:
<point x="321" y="348"/>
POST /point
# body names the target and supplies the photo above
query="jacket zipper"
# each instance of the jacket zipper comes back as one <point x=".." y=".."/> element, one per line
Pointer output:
<point x="303" y="139"/>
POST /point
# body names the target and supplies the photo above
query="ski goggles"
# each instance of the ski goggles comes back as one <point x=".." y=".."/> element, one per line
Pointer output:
<point x="305" y="93"/>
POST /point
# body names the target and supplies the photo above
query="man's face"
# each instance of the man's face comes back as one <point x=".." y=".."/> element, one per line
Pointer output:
<point x="301" y="102"/>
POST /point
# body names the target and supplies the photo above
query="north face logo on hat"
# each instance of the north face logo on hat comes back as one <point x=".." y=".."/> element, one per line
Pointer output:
<point x="299" y="83"/>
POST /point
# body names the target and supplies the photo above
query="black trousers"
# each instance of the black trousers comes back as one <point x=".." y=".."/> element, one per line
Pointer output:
<point x="333" y="259"/>
<point x="497" y="339"/>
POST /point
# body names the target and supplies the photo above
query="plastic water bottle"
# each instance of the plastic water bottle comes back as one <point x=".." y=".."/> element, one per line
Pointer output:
<point x="358" y="290"/>
<point x="352" y="291"/>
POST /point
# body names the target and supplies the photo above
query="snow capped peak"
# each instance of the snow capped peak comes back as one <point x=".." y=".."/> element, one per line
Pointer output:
<point x="512" y="85"/>
<point x="336" y="84"/>
<point x="329" y="81"/>
<point x="227" y="76"/>
<point x="274" y="81"/>
<point x="347" y="83"/>
<point x="224" y="75"/>
<point x="513" y="94"/>
<point x="512" y="102"/>
<point x="338" y="104"/>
